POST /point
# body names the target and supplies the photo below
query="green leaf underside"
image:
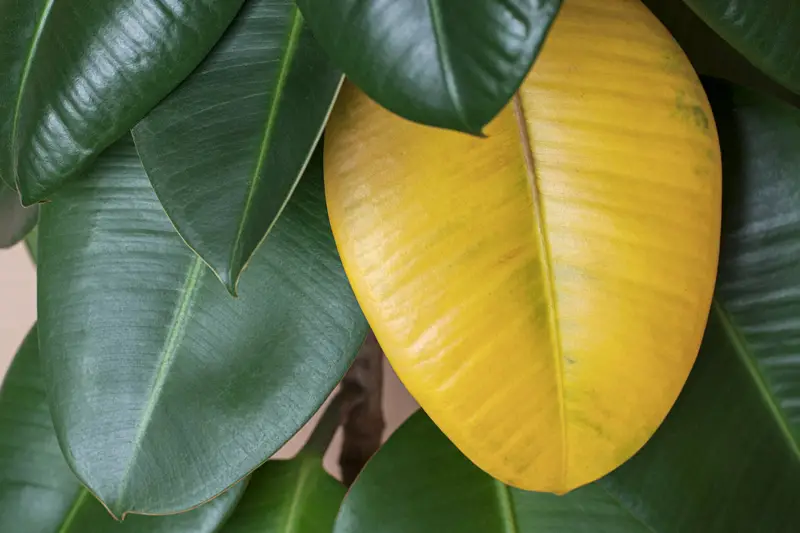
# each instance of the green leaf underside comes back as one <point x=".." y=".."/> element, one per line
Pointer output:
<point x="432" y="61"/>
<point x="225" y="150"/>
<point x="726" y="458"/>
<point x="75" y="76"/>
<point x="39" y="493"/>
<point x="295" y="496"/>
<point x="767" y="32"/>
<point x="165" y="390"/>
<point x="15" y="221"/>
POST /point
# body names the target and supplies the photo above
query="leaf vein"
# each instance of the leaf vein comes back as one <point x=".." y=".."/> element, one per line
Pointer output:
<point x="293" y="513"/>
<point x="26" y="70"/>
<point x="73" y="510"/>
<point x="176" y="332"/>
<point x="445" y="64"/>
<point x="507" y="514"/>
<point x="547" y="275"/>
<point x="280" y="84"/>
<point x="741" y="349"/>
<point x="625" y="508"/>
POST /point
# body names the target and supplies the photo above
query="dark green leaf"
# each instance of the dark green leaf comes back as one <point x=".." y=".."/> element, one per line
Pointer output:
<point x="38" y="492"/>
<point x="726" y="458"/>
<point x="767" y="32"/>
<point x="419" y="481"/>
<point x="758" y="290"/>
<point x="76" y="75"/>
<point x="89" y="516"/>
<point x="225" y="151"/>
<point x="437" y="62"/>
<point x="36" y="487"/>
<point x="164" y="388"/>
<point x="15" y="221"/>
<point x="709" y="53"/>
<point x="32" y="243"/>
<point x="289" y="496"/>
<point x="694" y="475"/>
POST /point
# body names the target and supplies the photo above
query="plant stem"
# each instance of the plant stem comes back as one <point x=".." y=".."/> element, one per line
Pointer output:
<point x="357" y="406"/>
<point x="362" y="409"/>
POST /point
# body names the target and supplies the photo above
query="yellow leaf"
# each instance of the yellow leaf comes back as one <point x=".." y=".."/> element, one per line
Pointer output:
<point x="541" y="292"/>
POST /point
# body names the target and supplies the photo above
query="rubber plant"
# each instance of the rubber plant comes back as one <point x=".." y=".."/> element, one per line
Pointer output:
<point x="578" y="255"/>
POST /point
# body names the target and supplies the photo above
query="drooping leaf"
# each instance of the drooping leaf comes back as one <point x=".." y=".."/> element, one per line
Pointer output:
<point x="225" y="151"/>
<point x="767" y="32"/>
<point x="15" y="221"/>
<point x="165" y="390"/>
<point x="433" y="61"/>
<point x="75" y="76"/>
<point x="510" y="280"/>
<point x="726" y="458"/>
<point x="39" y="493"/>
<point x="288" y="496"/>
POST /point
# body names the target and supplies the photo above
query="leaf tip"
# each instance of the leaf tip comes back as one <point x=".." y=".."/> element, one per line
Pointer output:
<point x="114" y="508"/>
<point x="31" y="195"/>
<point x="230" y="279"/>
<point x="480" y="134"/>
<point x="474" y="129"/>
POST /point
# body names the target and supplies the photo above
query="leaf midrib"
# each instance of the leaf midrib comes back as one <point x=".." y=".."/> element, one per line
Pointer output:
<point x="307" y="467"/>
<point x="742" y="350"/>
<point x="293" y="39"/>
<point x="507" y="514"/>
<point x="625" y="508"/>
<point x="26" y="70"/>
<point x="77" y="503"/>
<point x="445" y="63"/>
<point x="175" y="334"/>
<point x="543" y="242"/>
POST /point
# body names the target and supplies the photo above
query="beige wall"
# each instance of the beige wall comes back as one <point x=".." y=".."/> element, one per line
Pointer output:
<point x="18" y="313"/>
<point x="17" y="301"/>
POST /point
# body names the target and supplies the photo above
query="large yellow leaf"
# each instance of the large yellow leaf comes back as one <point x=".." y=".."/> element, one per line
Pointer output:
<point x="542" y="292"/>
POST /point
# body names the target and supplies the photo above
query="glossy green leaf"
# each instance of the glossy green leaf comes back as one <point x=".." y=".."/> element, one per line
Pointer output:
<point x="758" y="290"/>
<point x="433" y="61"/>
<point x="726" y="458"/>
<point x="165" y="390"/>
<point x="690" y="477"/>
<point x="87" y="515"/>
<point x="767" y="32"/>
<point x="289" y="496"/>
<point x="39" y="493"/>
<point x="709" y="53"/>
<point x="225" y="150"/>
<point x="15" y="221"/>
<point x="76" y="75"/>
